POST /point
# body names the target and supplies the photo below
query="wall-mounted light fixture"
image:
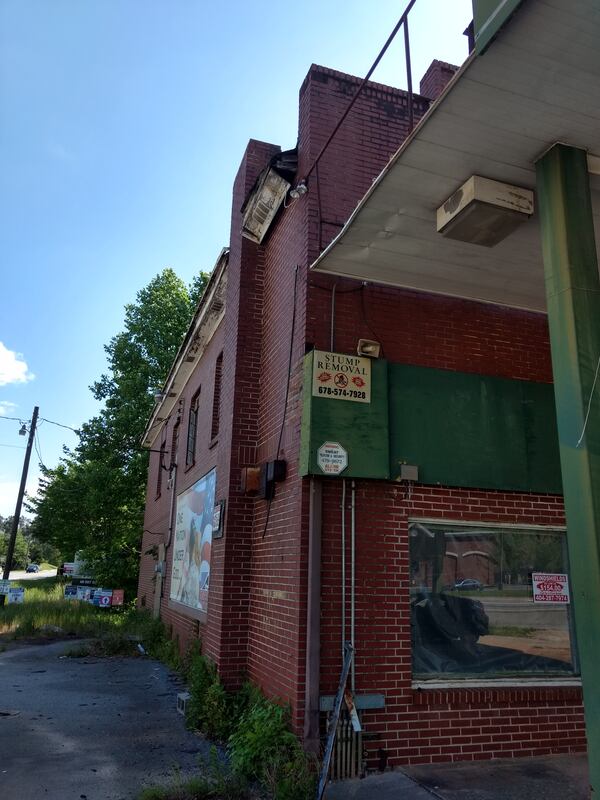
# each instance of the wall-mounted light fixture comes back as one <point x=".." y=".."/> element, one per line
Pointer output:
<point x="368" y="348"/>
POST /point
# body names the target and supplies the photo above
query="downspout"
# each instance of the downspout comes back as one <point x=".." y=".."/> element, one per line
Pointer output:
<point x="343" y="568"/>
<point x="353" y="584"/>
<point x="173" y="492"/>
<point x="163" y="547"/>
<point x="313" y="619"/>
<point x="332" y="333"/>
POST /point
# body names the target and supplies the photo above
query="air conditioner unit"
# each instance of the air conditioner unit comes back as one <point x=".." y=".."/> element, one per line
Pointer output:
<point x="484" y="211"/>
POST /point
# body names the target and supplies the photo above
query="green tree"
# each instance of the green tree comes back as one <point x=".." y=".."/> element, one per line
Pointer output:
<point x="22" y="542"/>
<point x="21" y="553"/>
<point x="93" y="501"/>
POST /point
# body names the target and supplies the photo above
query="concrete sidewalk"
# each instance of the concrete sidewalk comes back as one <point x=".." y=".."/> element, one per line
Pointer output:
<point x="552" y="778"/>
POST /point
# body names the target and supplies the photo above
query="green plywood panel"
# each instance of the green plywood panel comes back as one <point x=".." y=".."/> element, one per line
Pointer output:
<point x="361" y="428"/>
<point x="488" y="17"/>
<point x="462" y="429"/>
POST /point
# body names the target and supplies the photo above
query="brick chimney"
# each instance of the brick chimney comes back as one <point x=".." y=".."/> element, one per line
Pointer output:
<point x="436" y="78"/>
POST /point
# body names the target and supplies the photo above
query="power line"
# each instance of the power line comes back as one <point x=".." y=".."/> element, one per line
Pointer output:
<point x="42" y="419"/>
<point x="38" y="449"/>
<point x="60" y="425"/>
<point x="16" y="446"/>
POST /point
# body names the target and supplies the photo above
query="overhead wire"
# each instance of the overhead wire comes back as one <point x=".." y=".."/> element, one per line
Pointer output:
<point x="60" y="425"/>
<point x="38" y="449"/>
<point x="287" y="389"/>
<point x="366" y="319"/>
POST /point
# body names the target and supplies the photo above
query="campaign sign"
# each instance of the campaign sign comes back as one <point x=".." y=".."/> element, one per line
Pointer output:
<point x="16" y="595"/>
<point x="103" y="598"/>
<point x="550" y="587"/>
<point x="84" y="593"/>
<point x="70" y="592"/>
<point x="4" y="586"/>
<point x="118" y="597"/>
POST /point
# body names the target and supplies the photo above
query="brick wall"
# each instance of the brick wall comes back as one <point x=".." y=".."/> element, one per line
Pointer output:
<point x="158" y="508"/>
<point x="257" y="607"/>
<point x="372" y="132"/>
<point x="425" y="726"/>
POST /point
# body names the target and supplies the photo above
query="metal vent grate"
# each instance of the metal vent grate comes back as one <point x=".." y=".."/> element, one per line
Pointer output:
<point x="347" y="758"/>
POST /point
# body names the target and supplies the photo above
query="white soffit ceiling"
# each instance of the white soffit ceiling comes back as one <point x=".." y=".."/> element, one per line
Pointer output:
<point x="538" y="83"/>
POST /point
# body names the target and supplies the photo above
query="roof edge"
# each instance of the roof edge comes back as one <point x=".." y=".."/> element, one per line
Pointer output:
<point x="212" y="300"/>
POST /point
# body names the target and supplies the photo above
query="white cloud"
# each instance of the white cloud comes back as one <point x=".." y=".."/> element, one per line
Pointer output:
<point x="13" y="369"/>
<point x="6" y="407"/>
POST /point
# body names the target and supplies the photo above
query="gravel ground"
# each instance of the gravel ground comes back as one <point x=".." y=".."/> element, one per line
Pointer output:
<point x="88" y="728"/>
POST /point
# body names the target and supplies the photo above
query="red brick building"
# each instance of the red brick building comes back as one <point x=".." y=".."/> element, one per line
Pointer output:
<point x="261" y="570"/>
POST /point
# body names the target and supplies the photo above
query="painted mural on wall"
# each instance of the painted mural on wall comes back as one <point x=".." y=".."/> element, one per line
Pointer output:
<point x="190" y="576"/>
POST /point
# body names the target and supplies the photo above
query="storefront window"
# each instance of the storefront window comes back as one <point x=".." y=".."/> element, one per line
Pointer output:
<point x="472" y="606"/>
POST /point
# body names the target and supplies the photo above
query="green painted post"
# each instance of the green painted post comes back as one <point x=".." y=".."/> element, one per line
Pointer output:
<point x="573" y="299"/>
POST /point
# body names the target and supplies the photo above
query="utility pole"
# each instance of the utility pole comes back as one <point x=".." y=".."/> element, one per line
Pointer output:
<point x="17" y="516"/>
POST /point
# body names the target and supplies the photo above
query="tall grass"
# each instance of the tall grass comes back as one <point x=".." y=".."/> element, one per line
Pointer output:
<point x="46" y="613"/>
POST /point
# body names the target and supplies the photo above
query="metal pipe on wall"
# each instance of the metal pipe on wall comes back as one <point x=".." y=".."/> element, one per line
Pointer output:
<point x="162" y="552"/>
<point x="343" y="568"/>
<point x="332" y="335"/>
<point x="313" y="619"/>
<point x="353" y="583"/>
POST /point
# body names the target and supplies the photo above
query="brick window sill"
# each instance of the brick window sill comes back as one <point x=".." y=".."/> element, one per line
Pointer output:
<point x="496" y="691"/>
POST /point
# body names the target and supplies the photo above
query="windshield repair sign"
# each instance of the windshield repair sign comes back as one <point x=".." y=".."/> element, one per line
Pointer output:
<point x="550" y="587"/>
<point x="332" y="458"/>
<point x="340" y="377"/>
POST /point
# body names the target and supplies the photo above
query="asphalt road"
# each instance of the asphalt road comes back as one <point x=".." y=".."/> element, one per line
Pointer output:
<point x="87" y="728"/>
<point x="22" y="575"/>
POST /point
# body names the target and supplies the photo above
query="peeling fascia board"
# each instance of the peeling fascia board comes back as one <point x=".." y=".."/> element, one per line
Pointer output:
<point x="206" y="320"/>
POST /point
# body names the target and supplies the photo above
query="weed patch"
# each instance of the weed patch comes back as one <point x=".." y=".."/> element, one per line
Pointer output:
<point x="260" y="743"/>
<point x="217" y="783"/>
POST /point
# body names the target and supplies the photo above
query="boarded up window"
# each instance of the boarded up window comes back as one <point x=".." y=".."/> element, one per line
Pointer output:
<point x="214" y="431"/>
<point x="190" y="455"/>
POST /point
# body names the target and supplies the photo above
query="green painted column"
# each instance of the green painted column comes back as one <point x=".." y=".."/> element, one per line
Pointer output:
<point x="573" y="299"/>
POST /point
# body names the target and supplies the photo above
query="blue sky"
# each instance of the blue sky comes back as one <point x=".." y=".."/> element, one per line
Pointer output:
<point x="123" y="124"/>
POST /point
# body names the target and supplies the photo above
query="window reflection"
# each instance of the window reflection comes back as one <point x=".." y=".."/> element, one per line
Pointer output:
<point x="472" y="609"/>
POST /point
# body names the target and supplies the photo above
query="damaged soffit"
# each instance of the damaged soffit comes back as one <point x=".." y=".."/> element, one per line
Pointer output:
<point x="267" y="195"/>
